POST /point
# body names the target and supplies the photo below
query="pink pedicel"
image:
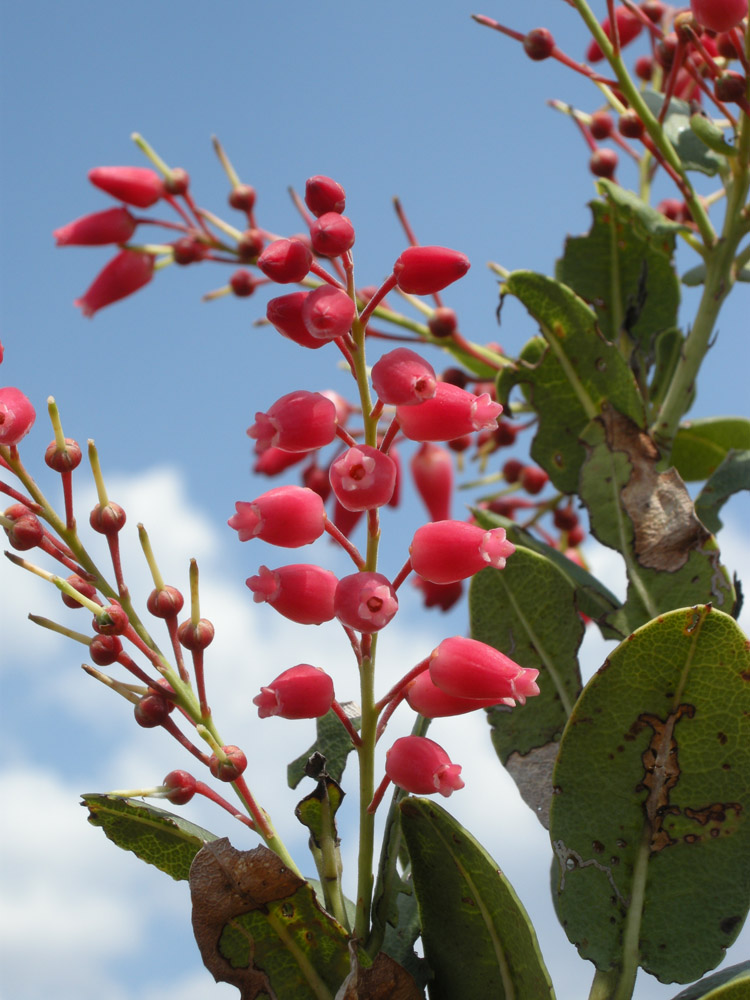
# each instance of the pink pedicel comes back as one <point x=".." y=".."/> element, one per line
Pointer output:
<point x="422" y="767"/>
<point x="467" y="668"/>
<point x="426" y="270"/>
<point x="285" y="314"/>
<point x="288" y="516"/>
<point x="403" y="378"/>
<point x="448" y="551"/>
<point x="285" y="261"/>
<point x="425" y="697"/>
<point x="332" y="234"/>
<point x="139" y="186"/>
<point x="450" y="413"/>
<point x="328" y="313"/>
<point x="115" y="225"/>
<point x="363" y="477"/>
<point x="628" y="27"/>
<point x="323" y="194"/>
<point x="300" y="421"/>
<point x="126" y="273"/>
<point x="365" y="601"/>
<point x="303" y="593"/>
<point x="17" y="415"/>
<point x="301" y="692"/>
<point x="432" y="472"/>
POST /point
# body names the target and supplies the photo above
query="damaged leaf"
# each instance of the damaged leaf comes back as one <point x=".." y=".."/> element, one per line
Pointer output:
<point x="333" y="742"/>
<point x="649" y="819"/>
<point x="260" y="927"/>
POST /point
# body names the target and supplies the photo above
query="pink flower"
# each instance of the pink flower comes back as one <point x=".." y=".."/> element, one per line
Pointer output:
<point x="116" y="225"/>
<point x="432" y="471"/>
<point x="447" y="551"/>
<point x="425" y="697"/>
<point x="426" y="270"/>
<point x="365" y="601"/>
<point x="125" y="274"/>
<point x="467" y="668"/>
<point x="328" y="313"/>
<point x="302" y="593"/>
<point x="402" y="377"/>
<point x="300" y="421"/>
<point x="17" y="416"/>
<point x="363" y="477"/>
<point x="628" y="27"/>
<point x="420" y="766"/>
<point x="285" y="313"/>
<point x="139" y="186"/>
<point x="288" y="516"/>
<point x="272" y="461"/>
<point x="285" y="261"/>
<point x="322" y="194"/>
<point x="332" y="234"/>
<point x="450" y="413"/>
<point x="301" y="692"/>
<point x="441" y="595"/>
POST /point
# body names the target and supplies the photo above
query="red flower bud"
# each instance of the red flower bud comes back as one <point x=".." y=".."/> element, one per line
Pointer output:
<point x="426" y="270"/>
<point x="285" y="313"/>
<point x="628" y="27"/>
<point x="139" y="186"/>
<point x="84" y="587"/>
<point x="301" y="692"/>
<point x="181" y="787"/>
<point x="365" y="601"/>
<point x="17" y="416"/>
<point x="285" y="261"/>
<point x="450" y="413"/>
<point x="104" y="649"/>
<point x="467" y="668"/>
<point x="719" y="15"/>
<point x="26" y="532"/>
<point x="107" y="518"/>
<point x="447" y="551"/>
<point x="151" y="711"/>
<point x="289" y="516"/>
<point x="322" y="194"/>
<point x="125" y="274"/>
<point x="443" y="322"/>
<point x="328" y="313"/>
<point x="65" y="459"/>
<point x="242" y="197"/>
<point x="603" y="163"/>
<point x="230" y="766"/>
<point x="538" y="44"/>
<point x="403" y="378"/>
<point x="196" y="636"/>
<point x="432" y="702"/>
<point x="332" y="234"/>
<point x="299" y="421"/>
<point x="166" y="602"/>
<point x="116" y="225"/>
<point x="420" y="766"/>
<point x="243" y="283"/>
<point x="533" y="479"/>
<point x="432" y="469"/>
<point x="302" y="593"/>
<point x="112" y="620"/>
<point x="363" y="477"/>
<point x="601" y="126"/>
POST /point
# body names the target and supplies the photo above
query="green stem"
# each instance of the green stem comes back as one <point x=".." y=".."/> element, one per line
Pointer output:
<point x="330" y="865"/>
<point x="603" y="984"/>
<point x="366" y="753"/>
<point x="632" y="931"/>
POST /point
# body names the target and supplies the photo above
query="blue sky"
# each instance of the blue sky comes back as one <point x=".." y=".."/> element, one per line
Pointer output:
<point x="412" y="100"/>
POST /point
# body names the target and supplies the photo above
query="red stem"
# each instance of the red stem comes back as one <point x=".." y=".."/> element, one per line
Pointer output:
<point x="209" y="793"/>
<point x="406" y="679"/>
<point x="338" y="536"/>
<point x="347" y="723"/>
<point x="402" y="574"/>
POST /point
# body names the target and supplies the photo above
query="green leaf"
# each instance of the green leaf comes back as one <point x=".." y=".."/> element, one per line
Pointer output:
<point x="333" y="742"/>
<point x="648" y="516"/>
<point x="592" y="598"/>
<point x="729" y="984"/>
<point x="572" y="375"/>
<point x="159" y="838"/>
<point x="700" y="446"/>
<point x="732" y="476"/>
<point x="477" y="937"/>
<point x="667" y="355"/>
<point x="693" y="153"/>
<point x="650" y="821"/>
<point x="260" y="927"/>
<point x="623" y="268"/>
<point x="528" y="612"/>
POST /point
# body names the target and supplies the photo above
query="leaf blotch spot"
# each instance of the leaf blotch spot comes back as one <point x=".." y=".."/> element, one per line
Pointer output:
<point x="598" y="846"/>
<point x="728" y="924"/>
<point x="722" y="738"/>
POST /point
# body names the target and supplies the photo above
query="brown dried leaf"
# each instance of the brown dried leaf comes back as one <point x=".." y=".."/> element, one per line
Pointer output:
<point x="665" y="527"/>
<point x="385" y="979"/>
<point x="225" y="883"/>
